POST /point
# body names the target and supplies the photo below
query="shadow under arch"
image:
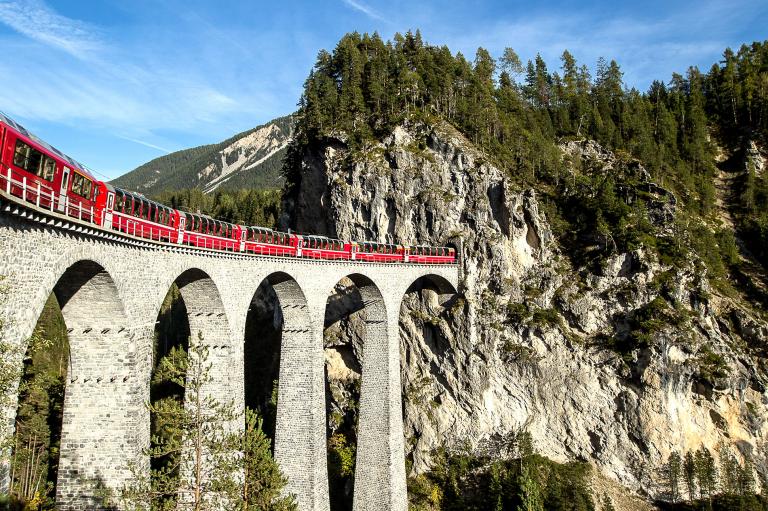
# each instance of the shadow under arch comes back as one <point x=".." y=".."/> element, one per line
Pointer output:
<point x="443" y="289"/>
<point x="278" y="309"/>
<point x="379" y="476"/>
<point x="299" y="437"/>
<point x="103" y="401"/>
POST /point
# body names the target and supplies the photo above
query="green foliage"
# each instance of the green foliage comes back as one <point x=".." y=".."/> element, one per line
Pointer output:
<point x="342" y="453"/>
<point x="606" y="504"/>
<point x="645" y="323"/>
<point x="671" y="476"/>
<point x="262" y="479"/>
<point x="39" y="414"/>
<point x="517" y="313"/>
<point x="524" y="480"/>
<point x="711" y="366"/>
<point x="722" y="486"/>
<point x="204" y="456"/>
<point x="246" y="207"/>
<point x="545" y="317"/>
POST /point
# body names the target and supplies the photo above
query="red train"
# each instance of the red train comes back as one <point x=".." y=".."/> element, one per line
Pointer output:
<point x="36" y="172"/>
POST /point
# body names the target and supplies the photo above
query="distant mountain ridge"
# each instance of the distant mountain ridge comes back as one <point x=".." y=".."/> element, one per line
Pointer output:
<point x="252" y="159"/>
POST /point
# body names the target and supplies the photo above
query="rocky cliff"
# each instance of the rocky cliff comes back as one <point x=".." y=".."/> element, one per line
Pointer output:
<point x="619" y="365"/>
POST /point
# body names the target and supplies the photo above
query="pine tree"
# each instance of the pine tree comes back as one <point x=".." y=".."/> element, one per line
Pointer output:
<point x="529" y="492"/>
<point x="195" y="439"/>
<point x="706" y="473"/>
<point x="262" y="479"/>
<point x="672" y="471"/>
<point x="689" y="471"/>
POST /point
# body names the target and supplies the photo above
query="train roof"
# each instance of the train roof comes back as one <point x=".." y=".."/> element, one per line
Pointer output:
<point x="39" y="141"/>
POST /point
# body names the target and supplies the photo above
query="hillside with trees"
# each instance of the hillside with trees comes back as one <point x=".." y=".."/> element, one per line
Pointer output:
<point x="669" y="180"/>
<point x="252" y="159"/>
<point x="518" y="112"/>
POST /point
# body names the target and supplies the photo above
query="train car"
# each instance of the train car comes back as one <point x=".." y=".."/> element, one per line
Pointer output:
<point x="373" y="251"/>
<point x="39" y="173"/>
<point x="134" y="214"/>
<point x="264" y="241"/>
<point x="322" y="247"/>
<point x="206" y="232"/>
<point x="430" y="255"/>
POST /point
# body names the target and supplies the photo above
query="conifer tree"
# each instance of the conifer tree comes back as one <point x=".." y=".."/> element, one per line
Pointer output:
<point x="689" y="472"/>
<point x="706" y="473"/>
<point x="208" y="465"/>
<point x="672" y="471"/>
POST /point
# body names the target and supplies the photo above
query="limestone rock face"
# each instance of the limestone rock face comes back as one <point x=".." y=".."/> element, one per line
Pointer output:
<point x="531" y="342"/>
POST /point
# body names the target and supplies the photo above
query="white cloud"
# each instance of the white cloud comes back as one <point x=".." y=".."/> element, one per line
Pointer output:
<point x="365" y="9"/>
<point x="147" y="144"/>
<point x="36" y="20"/>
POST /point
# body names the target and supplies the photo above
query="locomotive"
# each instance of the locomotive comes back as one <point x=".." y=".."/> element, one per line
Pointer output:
<point x="33" y="171"/>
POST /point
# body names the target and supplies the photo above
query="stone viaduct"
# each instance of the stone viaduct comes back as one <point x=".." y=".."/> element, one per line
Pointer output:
<point x="111" y="288"/>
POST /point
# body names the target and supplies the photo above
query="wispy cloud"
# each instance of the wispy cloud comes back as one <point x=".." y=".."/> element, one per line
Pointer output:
<point x="365" y="9"/>
<point x="147" y="144"/>
<point x="36" y="20"/>
<point x="646" y="49"/>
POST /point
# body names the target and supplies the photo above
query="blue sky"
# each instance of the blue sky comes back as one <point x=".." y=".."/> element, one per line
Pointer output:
<point x="115" y="83"/>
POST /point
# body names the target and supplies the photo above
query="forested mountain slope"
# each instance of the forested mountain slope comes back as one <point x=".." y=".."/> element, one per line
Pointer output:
<point x="611" y="304"/>
<point x="252" y="159"/>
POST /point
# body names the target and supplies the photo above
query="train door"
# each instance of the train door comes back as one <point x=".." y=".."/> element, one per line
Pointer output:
<point x="106" y="221"/>
<point x="243" y="235"/>
<point x="299" y="244"/>
<point x="63" y="189"/>
<point x="182" y="223"/>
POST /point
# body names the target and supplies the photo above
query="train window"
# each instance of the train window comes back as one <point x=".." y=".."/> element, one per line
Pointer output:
<point x="34" y="161"/>
<point x="81" y="185"/>
<point x="49" y="168"/>
<point x="27" y="158"/>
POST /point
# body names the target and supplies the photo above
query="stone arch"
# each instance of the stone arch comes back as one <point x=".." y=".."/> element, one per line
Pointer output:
<point x="380" y="466"/>
<point x="444" y="289"/>
<point x="209" y="324"/>
<point x="277" y="308"/>
<point x="205" y="308"/>
<point x="426" y="334"/>
<point x="299" y="446"/>
<point x="102" y="399"/>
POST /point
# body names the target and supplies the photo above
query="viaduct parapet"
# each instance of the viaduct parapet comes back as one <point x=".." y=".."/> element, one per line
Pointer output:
<point x="111" y="290"/>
